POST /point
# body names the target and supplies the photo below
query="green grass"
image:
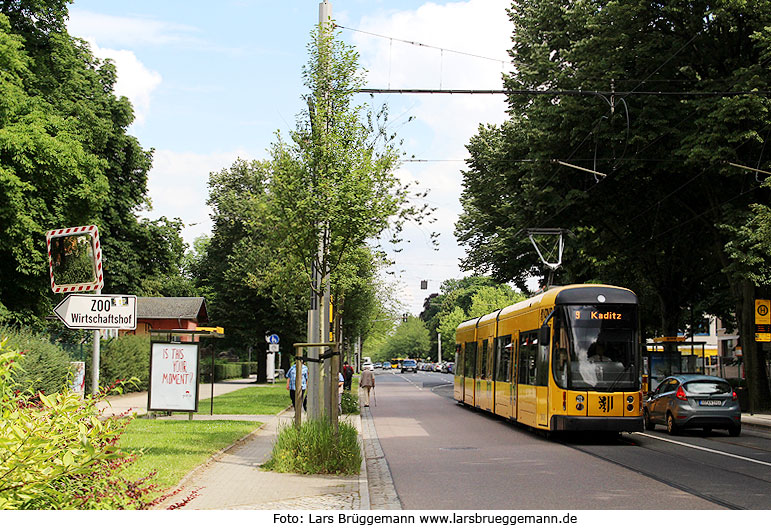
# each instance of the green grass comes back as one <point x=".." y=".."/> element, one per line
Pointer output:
<point x="256" y="400"/>
<point x="313" y="449"/>
<point x="174" y="447"/>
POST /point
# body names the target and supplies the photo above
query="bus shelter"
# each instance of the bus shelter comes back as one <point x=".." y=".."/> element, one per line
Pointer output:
<point x="671" y="356"/>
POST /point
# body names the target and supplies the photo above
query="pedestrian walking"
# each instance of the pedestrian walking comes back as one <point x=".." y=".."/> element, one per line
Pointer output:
<point x="291" y="383"/>
<point x="347" y="376"/>
<point x="367" y="383"/>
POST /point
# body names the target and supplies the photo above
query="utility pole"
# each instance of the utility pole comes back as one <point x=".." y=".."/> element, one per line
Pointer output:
<point x="95" y="356"/>
<point x="439" y="347"/>
<point x="318" y="315"/>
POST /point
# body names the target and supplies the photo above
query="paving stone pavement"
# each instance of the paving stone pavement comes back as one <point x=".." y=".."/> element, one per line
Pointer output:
<point x="233" y="480"/>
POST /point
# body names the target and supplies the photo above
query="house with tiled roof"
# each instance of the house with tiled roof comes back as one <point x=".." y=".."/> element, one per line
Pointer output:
<point x="155" y="314"/>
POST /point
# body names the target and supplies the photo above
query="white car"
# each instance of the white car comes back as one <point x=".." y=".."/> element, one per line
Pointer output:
<point x="367" y="366"/>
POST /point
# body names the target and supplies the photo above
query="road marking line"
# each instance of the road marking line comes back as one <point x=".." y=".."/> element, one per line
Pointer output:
<point x="706" y="449"/>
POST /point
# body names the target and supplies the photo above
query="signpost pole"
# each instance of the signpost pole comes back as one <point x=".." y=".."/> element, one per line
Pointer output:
<point x="95" y="357"/>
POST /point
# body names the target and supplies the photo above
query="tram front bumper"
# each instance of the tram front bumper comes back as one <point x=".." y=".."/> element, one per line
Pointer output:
<point x="600" y="424"/>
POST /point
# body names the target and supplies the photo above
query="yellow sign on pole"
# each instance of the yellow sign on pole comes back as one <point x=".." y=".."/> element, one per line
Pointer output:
<point x="762" y="320"/>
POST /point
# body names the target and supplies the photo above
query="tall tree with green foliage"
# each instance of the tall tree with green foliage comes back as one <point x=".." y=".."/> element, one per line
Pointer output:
<point x="409" y="340"/>
<point x="66" y="160"/>
<point x="660" y="208"/>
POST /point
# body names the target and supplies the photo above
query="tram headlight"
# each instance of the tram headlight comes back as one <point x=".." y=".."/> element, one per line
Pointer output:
<point x="630" y="399"/>
<point x="630" y="407"/>
<point x="579" y="398"/>
<point x="579" y="406"/>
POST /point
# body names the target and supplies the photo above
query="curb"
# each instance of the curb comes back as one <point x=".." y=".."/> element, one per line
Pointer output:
<point x="755" y="423"/>
<point x="364" y="502"/>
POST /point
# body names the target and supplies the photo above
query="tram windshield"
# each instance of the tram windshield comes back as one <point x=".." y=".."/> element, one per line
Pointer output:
<point x="595" y="348"/>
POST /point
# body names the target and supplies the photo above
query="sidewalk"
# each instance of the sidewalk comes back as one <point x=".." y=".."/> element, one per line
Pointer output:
<point x="757" y="420"/>
<point x="137" y="402"/>
<point x="232" y="478"/>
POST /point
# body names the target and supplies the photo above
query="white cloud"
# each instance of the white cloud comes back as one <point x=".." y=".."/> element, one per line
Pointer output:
<point x="178" y="186"/>
<point x="135" y="80"/>
<point x="127" y="32"/>
<point x="444" y="123"/>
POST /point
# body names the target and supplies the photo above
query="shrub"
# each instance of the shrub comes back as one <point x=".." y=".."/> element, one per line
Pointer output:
<point x="314" y="449"/>
<point x="55" y="452"/>
<point x="226" y="371"/>
<point x="44" y="367"/>
<point x="125" y="357"/>
<point x="350" y="403"/>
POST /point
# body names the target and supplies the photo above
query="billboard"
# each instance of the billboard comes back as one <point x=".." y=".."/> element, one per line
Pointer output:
<point x="173" y="377"/>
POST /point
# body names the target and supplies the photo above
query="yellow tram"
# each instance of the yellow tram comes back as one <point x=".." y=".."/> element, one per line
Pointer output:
<point x="566" y="359"/>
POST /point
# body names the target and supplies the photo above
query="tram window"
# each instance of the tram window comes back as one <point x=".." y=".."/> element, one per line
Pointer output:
<point x="470" y="360"/>
<point x="528" y="344"/>
<point x="482" y="367"/>
<point x="542" y="365"/>
<point x="503" y="355"/>
<point x="458" y="355"/>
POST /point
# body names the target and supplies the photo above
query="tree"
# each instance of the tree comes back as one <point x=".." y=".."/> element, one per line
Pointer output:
<point x="409" y="340"/>
<point x="253" y="287"/>
<point x="334" y="181"/>
<point x="67" y="160"/>
<point x="655" y="214"/>
<point x="332" y="189"/>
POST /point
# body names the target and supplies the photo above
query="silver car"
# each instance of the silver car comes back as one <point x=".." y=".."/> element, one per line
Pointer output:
<point x="693" y="401"/>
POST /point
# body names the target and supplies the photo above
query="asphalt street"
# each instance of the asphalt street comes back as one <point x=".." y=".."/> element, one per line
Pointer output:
<point x="446" y="456"/>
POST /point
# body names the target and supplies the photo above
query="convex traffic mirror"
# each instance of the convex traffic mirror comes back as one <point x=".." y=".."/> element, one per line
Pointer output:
<point x="75" y="259"/>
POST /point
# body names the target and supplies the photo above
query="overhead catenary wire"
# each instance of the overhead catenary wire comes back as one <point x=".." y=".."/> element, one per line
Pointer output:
<point x="422" y="45"/>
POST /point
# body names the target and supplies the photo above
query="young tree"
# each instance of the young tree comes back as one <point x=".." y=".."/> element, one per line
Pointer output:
<point x="332" y="188"/>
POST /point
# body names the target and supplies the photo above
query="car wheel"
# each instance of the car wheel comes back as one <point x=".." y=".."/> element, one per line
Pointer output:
<point x="647" y="419"/>
<point x="734" y="431"/>
<point x="672" y="428"/>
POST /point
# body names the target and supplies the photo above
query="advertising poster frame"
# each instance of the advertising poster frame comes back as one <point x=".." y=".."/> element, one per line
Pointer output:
<point x="160" y="365"/>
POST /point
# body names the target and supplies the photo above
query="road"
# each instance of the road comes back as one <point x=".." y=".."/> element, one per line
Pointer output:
<point x="445" y="456"/>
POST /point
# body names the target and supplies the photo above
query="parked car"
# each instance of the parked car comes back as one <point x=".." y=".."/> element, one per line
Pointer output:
<point x="377" y="365"/>
<point x="368" y="366"/>
<point x="693" y="401"/>
<point x="409" y="365"/>
<point x="450" y="367"/>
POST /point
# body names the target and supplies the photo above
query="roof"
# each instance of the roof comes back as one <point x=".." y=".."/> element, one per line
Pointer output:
<point x="172" y="308"/>
<point x="687" y="377"/>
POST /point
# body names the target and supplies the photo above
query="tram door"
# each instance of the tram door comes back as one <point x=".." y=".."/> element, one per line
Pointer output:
<point x="458" y="373"/>
<point x="484" y="383"/>
<point x="469" y="372"/>
<point x="502" y="376"/>
<point x="513" y="374"/>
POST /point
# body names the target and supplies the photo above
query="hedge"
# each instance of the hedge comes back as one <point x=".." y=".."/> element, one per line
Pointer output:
<point x="45" y="367"/>
<point x="124" y="358"/>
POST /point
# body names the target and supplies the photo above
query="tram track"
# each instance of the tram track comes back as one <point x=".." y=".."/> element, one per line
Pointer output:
<point x="706" y="468"/>
<point x="656" y="477"/>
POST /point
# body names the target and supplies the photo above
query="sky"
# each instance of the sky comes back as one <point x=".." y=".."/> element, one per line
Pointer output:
<point x="214" y="81"/>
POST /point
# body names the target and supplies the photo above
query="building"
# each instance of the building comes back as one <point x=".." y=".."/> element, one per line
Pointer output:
<point x="156" y="314"/>
<point x="713" y="350"/>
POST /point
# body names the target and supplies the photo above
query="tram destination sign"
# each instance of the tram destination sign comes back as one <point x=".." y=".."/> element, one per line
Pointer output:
<point x="83" y="311"/>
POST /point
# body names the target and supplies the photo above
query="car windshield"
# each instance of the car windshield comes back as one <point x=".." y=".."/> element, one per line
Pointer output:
<point x="595" y="347"/>
<point x="408" y="363"/>
<point x="707" y="387"/>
